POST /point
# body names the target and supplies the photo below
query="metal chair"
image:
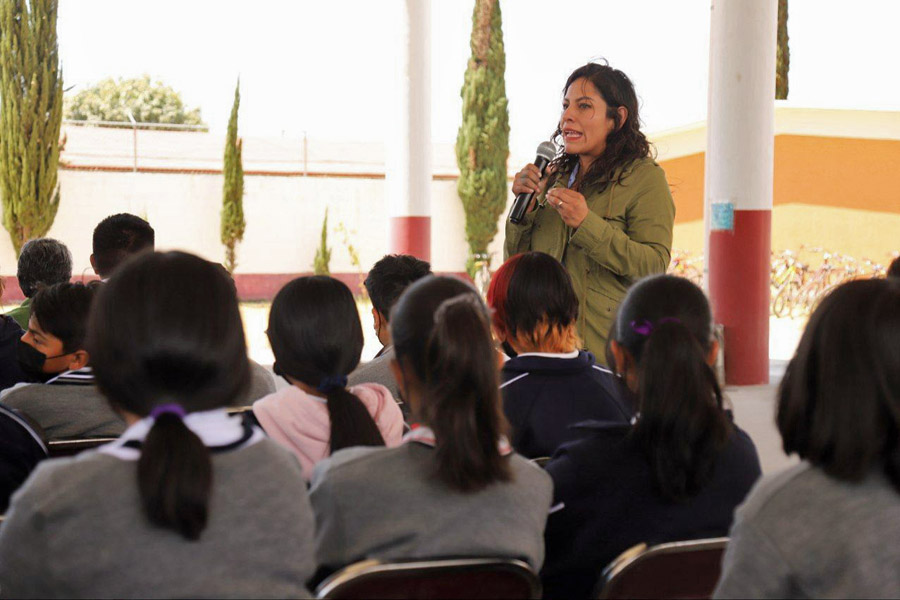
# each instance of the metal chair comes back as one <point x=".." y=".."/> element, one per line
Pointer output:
<point x="58" y="448"/>
<point x="677" y="570"/>
<point x="425" y="579"/>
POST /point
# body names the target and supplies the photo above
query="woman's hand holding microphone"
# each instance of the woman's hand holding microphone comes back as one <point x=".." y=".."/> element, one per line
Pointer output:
<point x="570" y="205"/>
<point x="528" y="181"/>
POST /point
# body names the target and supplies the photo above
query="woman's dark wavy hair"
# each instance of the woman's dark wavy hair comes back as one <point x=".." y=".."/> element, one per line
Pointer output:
<point x="839" y="400"/>
<point x="625" y="144"/>
<point x="665" y="324"/>
<point x="440" y="329"/>
<point x="315" y="334"/>
<point x="166" y="329"/>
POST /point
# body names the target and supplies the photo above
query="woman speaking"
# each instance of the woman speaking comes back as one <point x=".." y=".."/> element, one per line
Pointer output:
<point x="604" y="209"/>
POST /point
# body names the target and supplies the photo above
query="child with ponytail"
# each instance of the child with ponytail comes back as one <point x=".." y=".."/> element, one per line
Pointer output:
<point x="677" y="471"/>
<point x="454" y="488"/>
<point x="317" y="340"/>
<point x="180" y="504"/>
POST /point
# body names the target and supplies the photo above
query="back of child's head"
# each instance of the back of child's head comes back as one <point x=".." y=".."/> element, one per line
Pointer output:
<point x="664" y="327"/>
<point x="317" y="339"/>
<point x="43" y="262"/>
<point x="390" y="276"/>
<point x="117" y="237"/>
<point x="534" y="303"/>
<point x="839" y="401"/>
<point x="167" y="332"/>
<point x="62" y="310"/>
<point x="441" y="333"/>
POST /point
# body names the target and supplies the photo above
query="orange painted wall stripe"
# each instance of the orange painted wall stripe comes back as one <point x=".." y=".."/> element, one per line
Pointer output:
<point x="852" y="173"/>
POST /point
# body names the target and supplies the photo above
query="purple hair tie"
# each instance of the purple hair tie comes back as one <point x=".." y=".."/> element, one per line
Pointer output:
<point x="173" y="409"/>
<point x="645" y="327"/>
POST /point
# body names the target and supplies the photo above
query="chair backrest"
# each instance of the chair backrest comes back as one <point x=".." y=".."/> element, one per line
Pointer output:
<point x="445" y="578"/>
<point x="677" y="570"/>
<point x="58" y="448"/>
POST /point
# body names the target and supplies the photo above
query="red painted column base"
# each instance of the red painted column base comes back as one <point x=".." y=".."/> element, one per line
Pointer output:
<point x="411" y="235"/>
<point x="739" y="271"/>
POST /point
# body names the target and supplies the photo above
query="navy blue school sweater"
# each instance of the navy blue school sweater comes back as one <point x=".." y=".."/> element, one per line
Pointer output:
<point x="10" y="371"/>
<point x="544" y="395"/>
<point x="606" y="501"/>
<point x="21" y="449"/>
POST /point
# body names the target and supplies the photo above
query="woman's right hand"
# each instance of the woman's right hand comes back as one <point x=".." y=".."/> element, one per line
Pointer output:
<point x="529" y="180"/>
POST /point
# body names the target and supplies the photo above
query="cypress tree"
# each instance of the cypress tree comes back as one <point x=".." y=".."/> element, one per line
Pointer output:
<point x="322" y="260"/>
<point x="782" y="53"/>
<point x="482" y="144"/>
<point x="232" y="217"/>
<point x="30" y="118"/>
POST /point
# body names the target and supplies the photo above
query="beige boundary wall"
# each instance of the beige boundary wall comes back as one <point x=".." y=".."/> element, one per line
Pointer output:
<point x="283" y="213"/>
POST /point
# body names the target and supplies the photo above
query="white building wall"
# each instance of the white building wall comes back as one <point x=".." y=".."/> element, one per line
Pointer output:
<point x="283" y="214"/>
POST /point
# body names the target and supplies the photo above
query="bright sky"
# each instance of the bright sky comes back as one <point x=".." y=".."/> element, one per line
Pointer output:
<point x="324" y="67"/>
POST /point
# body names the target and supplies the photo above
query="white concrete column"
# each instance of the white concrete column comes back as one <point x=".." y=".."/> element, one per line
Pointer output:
<point x="408" y="176"/>
<point x="739" y="173"/>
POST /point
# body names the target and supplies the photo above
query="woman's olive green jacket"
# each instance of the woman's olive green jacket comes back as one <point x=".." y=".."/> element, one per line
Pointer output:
<point x="626" y="235"/>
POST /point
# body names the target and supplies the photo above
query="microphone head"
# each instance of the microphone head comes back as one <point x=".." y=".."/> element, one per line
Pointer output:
<point x="547" y="150"/>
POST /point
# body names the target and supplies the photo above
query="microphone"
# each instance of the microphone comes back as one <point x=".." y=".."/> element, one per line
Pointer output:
<point x="545" y="153"/>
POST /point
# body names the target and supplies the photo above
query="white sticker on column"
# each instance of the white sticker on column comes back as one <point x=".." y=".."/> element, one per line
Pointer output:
<point x="721" y="216"/>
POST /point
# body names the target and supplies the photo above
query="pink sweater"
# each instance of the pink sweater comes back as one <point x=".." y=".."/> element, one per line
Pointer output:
<point x="300" y="421"/>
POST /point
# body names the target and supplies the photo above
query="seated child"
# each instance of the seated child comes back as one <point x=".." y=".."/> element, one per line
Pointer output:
<point x="65" y="401"/>
<point x="317" y="339"/>
<point x="677" y="472"/>
<point x="189" y="502"/>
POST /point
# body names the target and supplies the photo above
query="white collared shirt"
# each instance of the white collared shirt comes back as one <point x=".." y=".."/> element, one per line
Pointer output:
<point x="572" y="354"/>
<point x="213" y="427"/>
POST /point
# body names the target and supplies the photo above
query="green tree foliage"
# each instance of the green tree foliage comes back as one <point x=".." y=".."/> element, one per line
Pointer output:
<point x="782" y="53"/>
<point x="31" y="91"/>
<point x="232" y="216"/>
<point x="150" y="101"/>
<point x="323" y="252"/>
<point x="482" y="144"/>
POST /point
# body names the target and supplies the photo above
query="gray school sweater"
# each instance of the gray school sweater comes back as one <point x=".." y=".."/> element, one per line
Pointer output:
<point x="383" y="503"/>
<point x="66" y="411"/>
<point x="804" y="534"/>
<point x="76" y="529"/>
<point x="70" y="411"/>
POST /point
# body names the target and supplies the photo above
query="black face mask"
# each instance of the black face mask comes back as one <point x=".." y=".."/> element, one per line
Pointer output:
<point x="32" y="360"/>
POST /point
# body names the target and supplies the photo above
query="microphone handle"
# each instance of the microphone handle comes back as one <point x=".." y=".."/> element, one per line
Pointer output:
<point x="523" y="200"/>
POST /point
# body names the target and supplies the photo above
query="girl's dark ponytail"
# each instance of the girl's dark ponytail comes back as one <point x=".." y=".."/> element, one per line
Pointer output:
<point x="463" y="398"/>
<point x="175" y="477"/>
<point x="351" y="423"/>
<point x="681" y="427"/>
